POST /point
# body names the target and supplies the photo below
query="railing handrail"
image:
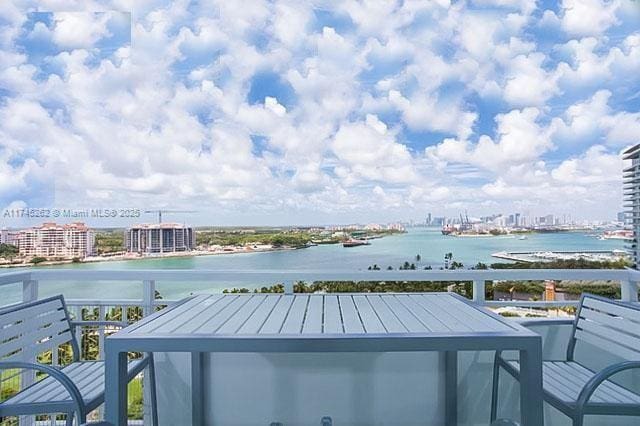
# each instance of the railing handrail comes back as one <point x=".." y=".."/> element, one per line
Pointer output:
<point x="31" y="277"/>
<point x="323" y="275"/>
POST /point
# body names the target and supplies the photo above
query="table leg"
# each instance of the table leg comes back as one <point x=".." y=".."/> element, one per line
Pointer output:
<point x="197" y="388"/>
<point x="531" y="401"/>
<point x="451" y="388"/>
<point x="115" y="387"/>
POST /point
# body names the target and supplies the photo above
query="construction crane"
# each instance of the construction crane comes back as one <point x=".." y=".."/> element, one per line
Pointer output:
<point x="160" y="211"/>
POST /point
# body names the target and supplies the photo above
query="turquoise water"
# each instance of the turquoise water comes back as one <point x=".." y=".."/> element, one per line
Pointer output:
<point x="389" y="251"/>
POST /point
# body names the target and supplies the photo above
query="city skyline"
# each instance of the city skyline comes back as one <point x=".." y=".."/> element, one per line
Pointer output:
<point x="319" y="112"/>
<point x="427" y="219"/>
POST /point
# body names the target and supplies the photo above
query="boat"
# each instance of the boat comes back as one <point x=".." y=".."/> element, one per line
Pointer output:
<point x="447" y="230"/>
<point x="355" y="243"/>
<point x="523" y="237"/>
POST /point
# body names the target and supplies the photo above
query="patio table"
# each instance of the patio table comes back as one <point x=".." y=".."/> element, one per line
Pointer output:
<point x="337" y="322"/>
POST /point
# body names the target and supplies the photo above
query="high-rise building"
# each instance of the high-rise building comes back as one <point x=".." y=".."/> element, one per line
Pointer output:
<point x="8" y="237"/>
<point x="428" y="219"/>
<point x="51" y="240"/>
<point x="621" y="217"/>
<point x="517" y="219"/>
<point x="159" y="238"/>
<point x="631" y="192"/>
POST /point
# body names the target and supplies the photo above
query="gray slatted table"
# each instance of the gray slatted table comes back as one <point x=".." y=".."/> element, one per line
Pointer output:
<point x="361" y="322"/>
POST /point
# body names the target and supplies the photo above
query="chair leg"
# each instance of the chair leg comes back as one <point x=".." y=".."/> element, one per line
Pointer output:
<point x="494" y="390"/>
<point x="151" y="370"/>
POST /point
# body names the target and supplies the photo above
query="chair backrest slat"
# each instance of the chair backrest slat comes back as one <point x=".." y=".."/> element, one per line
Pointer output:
<point x="32" y="328"/>
<point x="611" y="326"/>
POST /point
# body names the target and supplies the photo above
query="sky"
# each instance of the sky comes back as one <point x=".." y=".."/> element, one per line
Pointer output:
<point x="316" y="112"/>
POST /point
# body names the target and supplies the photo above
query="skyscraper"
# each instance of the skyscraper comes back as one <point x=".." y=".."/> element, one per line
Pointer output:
<point x="631" y="192"/>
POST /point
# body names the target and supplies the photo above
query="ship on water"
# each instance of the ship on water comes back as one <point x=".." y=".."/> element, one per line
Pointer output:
<point x="355" y="243"/>
<point x="455" y="229"/>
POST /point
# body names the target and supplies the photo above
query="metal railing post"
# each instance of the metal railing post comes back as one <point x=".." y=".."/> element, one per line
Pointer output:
<point x="288" y="287"/>
<point x="628" y="291"/>
<point x="28" y="377"/>
<point x="29" y="290"/>
<point x="478" y="291"/>
<point x="148" y="307"/>
<point x="148" y="297"/>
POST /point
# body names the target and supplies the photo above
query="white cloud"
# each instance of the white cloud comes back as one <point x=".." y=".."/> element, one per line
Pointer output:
<point x="527" y="83"/>
<point x="520" y="139"/>
<point x="169" y="114"/>
<point x="424" y="113"/>
<point x="72" y="30"/>
<point x="595" y="166"/>
<point x="368" y="150"/>
<point x="585" y="17"/>
<point x="593" y="120"/>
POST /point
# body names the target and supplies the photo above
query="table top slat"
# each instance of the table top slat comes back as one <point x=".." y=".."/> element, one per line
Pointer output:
<point x="448" y="316"/>
<point x="275" y="320"/>
<point x="405" y="316"/>
<point x="370" y="320"/>
<point x="431" y="321"/>
<point x="474" y="315"/>
<point x="183" y="312"/>
<point x="257" y="320"/>
<point x="389" y="319"/>
<point x="295" y="318"/>
<point x="223" y="315"/>
<point x="197" y="320"/>
<point x="350" y="317"/>
<point x="332" y="316"/>
<point x="313" y="320"/>
<point x="233" y="324"/>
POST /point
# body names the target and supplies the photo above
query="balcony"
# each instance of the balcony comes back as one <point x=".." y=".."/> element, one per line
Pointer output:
<point x="396" y="388"/>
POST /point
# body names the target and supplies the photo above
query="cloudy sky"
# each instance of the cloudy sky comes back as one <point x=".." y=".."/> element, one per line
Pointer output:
<point x="276" y="112"/>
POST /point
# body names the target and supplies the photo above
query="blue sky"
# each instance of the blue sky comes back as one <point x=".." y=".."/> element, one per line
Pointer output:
<point x="281" y="112"/>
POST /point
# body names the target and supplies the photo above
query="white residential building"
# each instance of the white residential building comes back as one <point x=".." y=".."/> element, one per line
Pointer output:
<point x="159" y="238"/>
<point x="51" y="240"/>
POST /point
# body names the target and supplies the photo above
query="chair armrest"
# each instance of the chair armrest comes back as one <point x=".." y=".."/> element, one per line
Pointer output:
<point x="56" y="374"/>
<point x="120" y="324"/>
<point x="539" y="322"/>
<point x="593" y="383"/>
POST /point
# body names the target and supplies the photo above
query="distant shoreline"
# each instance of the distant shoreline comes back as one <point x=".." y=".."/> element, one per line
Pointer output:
<point x="125" y="258"/>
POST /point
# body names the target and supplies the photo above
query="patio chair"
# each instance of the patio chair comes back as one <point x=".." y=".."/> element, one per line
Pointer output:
<point x="575" y="389"/>
<point x="30" y="329"/>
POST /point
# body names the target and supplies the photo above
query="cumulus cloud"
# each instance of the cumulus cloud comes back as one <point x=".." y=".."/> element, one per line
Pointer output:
<point x="593" y="120"/>
<point x="425" y="113"/>
<point x="527" y="82"/>
<point x="73" y="30"/>
<point x="520" y="139"/>
<point x="400" y="106"/>
<point x="585" y="17"/>
<point x="368" y="150"/>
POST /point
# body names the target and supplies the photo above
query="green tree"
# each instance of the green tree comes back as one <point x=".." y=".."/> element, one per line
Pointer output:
<point x="38" y="259"/>
<point x="8" y="250"/>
